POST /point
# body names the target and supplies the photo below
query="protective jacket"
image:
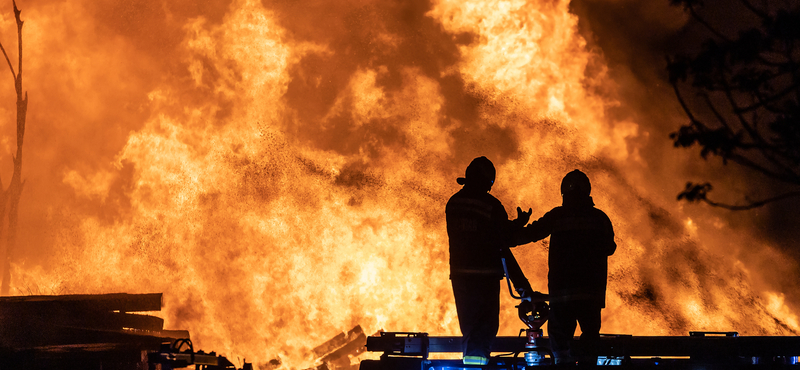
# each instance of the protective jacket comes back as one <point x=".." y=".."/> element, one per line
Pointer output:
<point x="478" y="227"/>
<point x="581" y="239"/>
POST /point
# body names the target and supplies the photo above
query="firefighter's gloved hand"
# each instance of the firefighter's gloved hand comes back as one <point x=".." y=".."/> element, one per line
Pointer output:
<point x="523" y="217"/>
<point x="537" y="296"/>
<point x="533" y="296"/>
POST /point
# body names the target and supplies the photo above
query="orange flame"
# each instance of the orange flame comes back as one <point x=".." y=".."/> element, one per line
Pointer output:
<point x="280" y="174"/>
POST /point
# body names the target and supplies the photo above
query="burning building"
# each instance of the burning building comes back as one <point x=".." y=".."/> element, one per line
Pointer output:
<point x="279" y="169"/>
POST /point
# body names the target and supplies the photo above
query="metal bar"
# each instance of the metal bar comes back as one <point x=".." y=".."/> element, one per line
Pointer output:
<point x="694" y="346"/>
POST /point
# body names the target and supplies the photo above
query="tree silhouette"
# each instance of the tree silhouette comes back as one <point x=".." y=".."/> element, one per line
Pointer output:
<point x="9" y="199"/>
<point x="745" y="105"/>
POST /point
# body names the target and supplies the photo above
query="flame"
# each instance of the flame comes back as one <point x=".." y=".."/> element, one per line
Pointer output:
<point x="280" y="174"/>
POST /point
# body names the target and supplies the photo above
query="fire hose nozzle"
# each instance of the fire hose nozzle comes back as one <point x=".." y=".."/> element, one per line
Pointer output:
<point x="534" y="314"/>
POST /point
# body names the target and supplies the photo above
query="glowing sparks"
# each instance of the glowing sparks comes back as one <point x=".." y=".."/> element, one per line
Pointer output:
<point x="691" y="226"/>
<point x="776" y="306"/>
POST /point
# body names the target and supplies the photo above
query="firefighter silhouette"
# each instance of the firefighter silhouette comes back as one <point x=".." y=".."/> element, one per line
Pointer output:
<point x="478" y="229"/>
<point x="581" y="239"/>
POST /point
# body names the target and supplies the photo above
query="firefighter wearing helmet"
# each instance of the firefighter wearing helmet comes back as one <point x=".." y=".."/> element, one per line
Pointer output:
<point x="478" y="229"/>
<point x="581" y="239"/>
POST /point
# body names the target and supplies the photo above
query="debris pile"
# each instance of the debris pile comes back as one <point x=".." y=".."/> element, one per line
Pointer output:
<point x="98" y="331"/>
<point x="338" y="352"/>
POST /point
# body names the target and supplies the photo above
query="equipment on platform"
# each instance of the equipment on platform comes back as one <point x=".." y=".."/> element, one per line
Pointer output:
<point x="171" y="357"/>
<point x="533" y="311"/>
<point x="699" y="350"/>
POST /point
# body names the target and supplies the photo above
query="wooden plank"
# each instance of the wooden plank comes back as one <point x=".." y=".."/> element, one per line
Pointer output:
<point x="101" y="320"/>
<point x="71" y="314"/>
<point x="133" y="321"/>
<point x="68" y="357"/>
<point x="337" y="341"/>
<point x="166" y="334"/>
<point x="38" y="334"/>
<point x="86" y="347"/>
<point x="342" y="355"/>
<point x="106" y="320"/>
<point x="33" y="321"/>
<point x="122" y="302"/>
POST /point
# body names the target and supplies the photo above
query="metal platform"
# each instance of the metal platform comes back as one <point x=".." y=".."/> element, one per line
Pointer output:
<point x="699" y="350"/>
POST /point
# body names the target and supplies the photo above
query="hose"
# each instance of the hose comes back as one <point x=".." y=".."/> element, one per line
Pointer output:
<point x="508" y="280"/>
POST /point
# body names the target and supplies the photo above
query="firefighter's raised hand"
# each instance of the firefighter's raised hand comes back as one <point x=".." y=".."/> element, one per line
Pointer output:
<point x="523" y="217"/>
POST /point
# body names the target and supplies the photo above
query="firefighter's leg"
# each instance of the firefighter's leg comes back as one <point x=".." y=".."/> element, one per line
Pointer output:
<point x="589" y="320"/>
<point x="561" y="327"/>
<point x="488" y="322"/>
<point x="478" y="308"/>
<point x="462" y="293"/>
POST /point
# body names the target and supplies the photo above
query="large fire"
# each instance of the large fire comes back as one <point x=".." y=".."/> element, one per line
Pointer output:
<point x="279" y="170"/>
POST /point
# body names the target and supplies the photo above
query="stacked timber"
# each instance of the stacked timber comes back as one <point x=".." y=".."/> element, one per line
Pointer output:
<point x="92" y="331"/>
<point x="339" y="352"/>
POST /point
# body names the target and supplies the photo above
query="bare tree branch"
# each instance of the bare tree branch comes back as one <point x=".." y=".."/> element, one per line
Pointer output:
<point x="755" y="10"/>
<point x="699" y="193"/>
<point x="702" y="21"/>
<point x="18" y="80"/>
<point x="753" y="204"/>
<point x="763" y="102"/>
<point x="9" y="63"/>
<point x="716" y="113"/>
<point x="748" y="106"/>
<point x="11" y="196"/>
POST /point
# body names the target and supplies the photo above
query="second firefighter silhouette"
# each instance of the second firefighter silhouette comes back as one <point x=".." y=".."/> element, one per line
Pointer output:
<point x="478" y="228"/>
<point x="581" y="239"/>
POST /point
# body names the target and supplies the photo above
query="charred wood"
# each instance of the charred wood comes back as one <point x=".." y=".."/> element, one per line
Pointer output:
<point x="337" y="353"/>
<point x="121" y="302"/>
<point x="339" y="340"/>
<point x="343" y="355"/>
<point x="95" y="332"/>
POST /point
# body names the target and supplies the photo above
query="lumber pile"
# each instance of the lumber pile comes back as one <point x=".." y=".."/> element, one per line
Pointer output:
<point x="93" y="331"/>
<point x="338" y="352"/>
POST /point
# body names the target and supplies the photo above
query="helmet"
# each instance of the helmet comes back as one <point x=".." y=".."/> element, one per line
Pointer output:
<point x="480" y="170"/>
<point x="577" y="183"/>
